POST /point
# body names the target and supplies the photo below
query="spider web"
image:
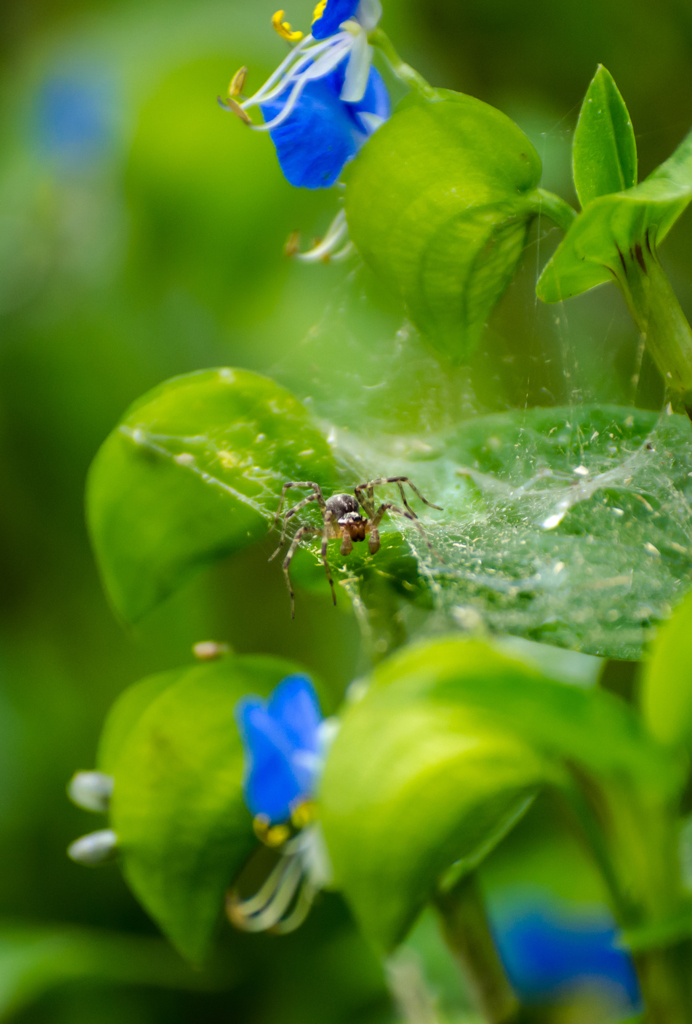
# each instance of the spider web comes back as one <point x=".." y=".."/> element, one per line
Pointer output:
<point x="567" y="514"/>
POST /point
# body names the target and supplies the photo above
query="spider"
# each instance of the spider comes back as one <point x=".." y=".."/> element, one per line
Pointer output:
<point x="343" y="520"/>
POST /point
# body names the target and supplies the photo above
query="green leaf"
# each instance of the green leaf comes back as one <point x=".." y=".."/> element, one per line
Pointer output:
<point x="37" y="958"/>
<point x="438" y="203"/>
<point x="604" y="153"/>
<point x="666" y="694"/>
<point x="193" y="473"/>
<point x="174" y="750"/>
<point x="568" y="525"/>
<point x="612" y="226"/>
<point x="436" y="761"/>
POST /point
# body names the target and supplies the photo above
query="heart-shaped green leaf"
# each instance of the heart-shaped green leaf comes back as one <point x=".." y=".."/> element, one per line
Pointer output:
<point x="667" y="684"/>
<point x="604" y="153"/>
<point x="173" y="748"/>
<point x="612" y="226"/>
<point x="192" y="474"/>
<point x="438" y="204"/>
<point x="436" y="761"/>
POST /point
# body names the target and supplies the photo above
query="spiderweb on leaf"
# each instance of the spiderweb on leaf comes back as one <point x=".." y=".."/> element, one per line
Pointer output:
<point x="568" y="524"/>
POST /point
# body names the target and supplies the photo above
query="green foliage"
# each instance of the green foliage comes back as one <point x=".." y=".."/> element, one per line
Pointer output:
<point x="35" y="959"/>
<point x="191" y="474"/>
<point x="604" y="154"/>
<point x="666" y="695"/>
<point x="617" y="226"/>
<point x="438" y="203"/>
<point x="437" y="760"/>
<point x="567" y="525"/>
<point x="173" y="747"/>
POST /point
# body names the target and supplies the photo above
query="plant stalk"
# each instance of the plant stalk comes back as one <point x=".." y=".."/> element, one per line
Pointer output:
<point x="547" y="204"/>
<point x="659" y="317"/>
<point x="665" y="977"/>
<point x="404" y="72"/>
<point x="467" y="932"/>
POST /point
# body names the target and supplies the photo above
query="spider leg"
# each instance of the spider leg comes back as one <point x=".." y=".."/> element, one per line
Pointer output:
<point x="323" y="551"/>
<point x="400" y="481"/>
<point x="289" y="515"/>
<point x="389" y="506"/>
<point x="302" y="532"/>
<point x="364" y="500"/>
<point x="318" y="496"/>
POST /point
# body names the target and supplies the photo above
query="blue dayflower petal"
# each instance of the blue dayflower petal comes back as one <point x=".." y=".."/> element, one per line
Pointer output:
<point x="294" y="705"/>
<point x="323" y="133"/>
<point x="545" y="954"/>
<point x="334" y="14"/>
<point x="270" y="784"/>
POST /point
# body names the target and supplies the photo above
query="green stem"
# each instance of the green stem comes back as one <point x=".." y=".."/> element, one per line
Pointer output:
<point x="658" y="315"/>
<point x="467" y="932"/>
<point x="547" y="204"/>
<point x="403" y="71"/>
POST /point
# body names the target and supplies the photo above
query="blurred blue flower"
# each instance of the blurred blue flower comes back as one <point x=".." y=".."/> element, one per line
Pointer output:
<point x="325" y="100"/>
<point x="282" y="748"/>
<point x="548" y="954"/>
<point x="74" y="117"/>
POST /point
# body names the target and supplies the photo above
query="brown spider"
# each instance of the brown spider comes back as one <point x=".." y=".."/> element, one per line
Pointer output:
<point x="343" y="520"/>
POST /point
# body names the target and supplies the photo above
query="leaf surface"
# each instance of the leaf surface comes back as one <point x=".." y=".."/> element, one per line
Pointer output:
<point x="604" y="153"/>
<point x="667" y="684"/>
<point x="183" y="829"/>
<point x="614" y="224"/>
<point x="568" y="525"/>
<point x="438" y="760"/>
<point x="193" y="473"/>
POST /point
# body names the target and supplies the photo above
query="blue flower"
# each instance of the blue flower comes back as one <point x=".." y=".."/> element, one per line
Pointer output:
<point x="282" y="748"/>
<point x="330" y="15"/>
<point x="548" y="953"/>
<point x="323" y="133"/>
<point x="284" y="740"/>
<point x="325" y="100"/>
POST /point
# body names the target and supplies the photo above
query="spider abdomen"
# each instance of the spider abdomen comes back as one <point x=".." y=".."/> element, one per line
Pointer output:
<point x="341" y="505"/>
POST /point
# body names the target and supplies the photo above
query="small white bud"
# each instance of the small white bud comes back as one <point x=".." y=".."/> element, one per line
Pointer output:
<point x="209" y="650"/>
<point x="91" y="790"/>
<point x="95" y="848"/>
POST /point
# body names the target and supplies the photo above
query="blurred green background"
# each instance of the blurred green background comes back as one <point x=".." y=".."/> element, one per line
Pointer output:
<point x="141" y="236"/>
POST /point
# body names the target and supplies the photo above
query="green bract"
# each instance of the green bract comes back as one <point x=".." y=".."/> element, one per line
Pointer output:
<point x="191" y="474"/>
<point x="438" y="203"/>
<point x="438" y="759"/>
<point x="172" y="746"/>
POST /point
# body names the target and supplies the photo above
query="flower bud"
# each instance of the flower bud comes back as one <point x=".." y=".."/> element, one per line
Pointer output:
<point x="94" y="848"/>
<point x="91" y="790"/>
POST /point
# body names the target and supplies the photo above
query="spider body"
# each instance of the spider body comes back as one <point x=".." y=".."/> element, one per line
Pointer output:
<point x="343" y="520"/>
<point x="347" y="524"/>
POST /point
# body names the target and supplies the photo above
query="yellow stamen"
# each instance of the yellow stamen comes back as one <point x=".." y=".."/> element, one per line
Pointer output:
<point x="270" y="835"/>
<point x="303" y="814"/>
<point x="284" y="28"/>
<point x="319" y="11"/>
<point x="230" y="104"/>
<point x="237" y="83"/>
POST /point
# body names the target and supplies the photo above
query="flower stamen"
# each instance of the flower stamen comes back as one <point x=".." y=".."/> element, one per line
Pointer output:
<point x="284" y="28"/>
<point x="271" y="835"/>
